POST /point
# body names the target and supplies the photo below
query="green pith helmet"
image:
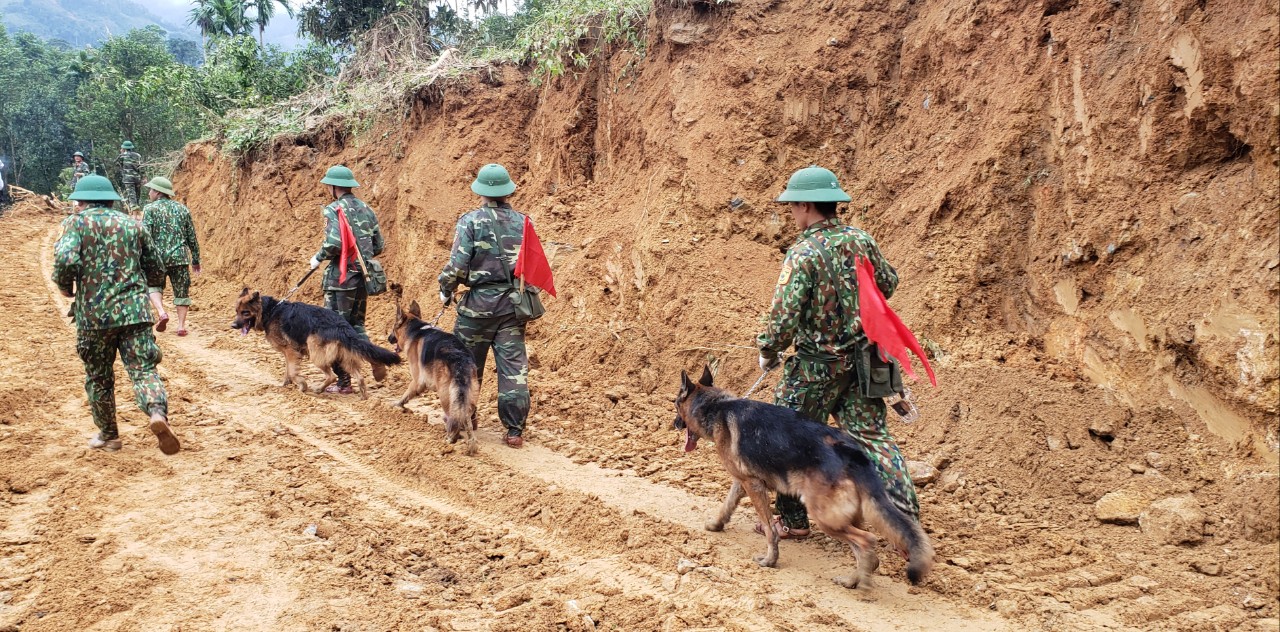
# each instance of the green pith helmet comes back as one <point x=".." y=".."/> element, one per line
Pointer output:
<point x="340" y="176"/>
<point x="161" y="184"/>
<point x="128" y="144"/>
<point x="813" y="184"/>
<point x="94" y="188"/>
<point x="77" y="154"/>
<point x="493" y="181"/>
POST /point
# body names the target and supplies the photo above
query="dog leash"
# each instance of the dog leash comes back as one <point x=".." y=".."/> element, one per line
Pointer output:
<point x="301" y="281"/>
<point x="761" y="379"/>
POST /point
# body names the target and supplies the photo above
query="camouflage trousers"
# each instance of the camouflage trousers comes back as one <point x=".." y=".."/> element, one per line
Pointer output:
<point x="819" y="392"/>
<point x="505" y="335"/>
<point x="140" y="355"/>
<point x="181" y="278"/>
<point x="132" y="192"/>
<point x="351" y="306"/>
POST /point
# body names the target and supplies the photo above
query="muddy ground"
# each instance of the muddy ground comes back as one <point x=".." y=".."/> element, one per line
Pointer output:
<point x="1080" y="198"/>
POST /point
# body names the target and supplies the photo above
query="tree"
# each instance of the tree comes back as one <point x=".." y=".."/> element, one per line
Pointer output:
<point x="185" y="51"/>
<point x="339" y="22"/>
<point x="37" y="94"/>
<point x="219" y="18"/>
<point x="263" y="11"/>
<point x="127" y="95"/>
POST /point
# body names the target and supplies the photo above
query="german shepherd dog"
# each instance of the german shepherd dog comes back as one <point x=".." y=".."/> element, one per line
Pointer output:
<point x="299" y="330"/>
<point x="771" y="448"/>
<point x="438" y="361"/>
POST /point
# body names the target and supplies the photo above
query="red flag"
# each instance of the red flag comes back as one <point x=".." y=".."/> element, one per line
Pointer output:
<point x="348" y="251"/>
<point x="531" y="263"/>
<point x="882" y="326"/>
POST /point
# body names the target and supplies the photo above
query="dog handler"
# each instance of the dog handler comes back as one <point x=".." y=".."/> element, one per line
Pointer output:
<point x="349" y="298"/>
<point x="174" y="236"/>
<point x="485" y="244"/>
<point x="815" y="307"/>
<point x="104" y="260"/>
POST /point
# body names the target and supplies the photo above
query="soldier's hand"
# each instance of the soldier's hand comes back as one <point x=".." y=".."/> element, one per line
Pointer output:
<point x="769" y="364"/>
<point x="315" y="263"/>
<point x="446" y="298"/>
<point x="195" y="269"/>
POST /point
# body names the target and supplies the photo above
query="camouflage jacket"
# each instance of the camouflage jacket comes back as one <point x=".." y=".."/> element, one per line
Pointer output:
<point x="486" y="242"/>
<point x="78" y="171"/>
<point x="130" y="166"/>
<point x="364" y="224"/>
<point x="172" y="232"/>
<point x="809" y="308"/>
<point x="107" y="259"/>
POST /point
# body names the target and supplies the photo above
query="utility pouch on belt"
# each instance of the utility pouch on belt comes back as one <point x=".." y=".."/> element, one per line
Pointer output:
<point x="375" y="278"/>
<point x="877" y="377"/>
<point x="528" y="305"/>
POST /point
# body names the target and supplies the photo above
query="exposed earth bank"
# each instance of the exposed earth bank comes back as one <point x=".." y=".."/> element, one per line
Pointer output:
<point x="1080" y="198"/>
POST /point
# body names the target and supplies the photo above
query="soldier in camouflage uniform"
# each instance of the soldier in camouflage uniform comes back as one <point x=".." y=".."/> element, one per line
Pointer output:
<point x="104" y="260"/>
<point x="350" y="298"/>
<point x="79" y="169"/>
<point x="485" y="245"/>
<point x="815" y="306"/>
<point x="175" y="238"/>
<point x="130" y="163"/>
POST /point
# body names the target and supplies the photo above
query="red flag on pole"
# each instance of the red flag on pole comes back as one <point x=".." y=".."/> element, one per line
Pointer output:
<point x="348" y="251"/>
<point x="883" y="326"/>
<point x="531" y="264"/>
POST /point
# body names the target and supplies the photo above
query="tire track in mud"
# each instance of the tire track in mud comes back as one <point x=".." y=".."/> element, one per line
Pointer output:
<point x="789" y="594"/>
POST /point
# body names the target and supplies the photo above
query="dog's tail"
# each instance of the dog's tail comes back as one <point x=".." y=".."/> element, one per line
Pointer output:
<point x="462" y="399"/>
<point x="901" y="529"/>
<point x="373" y="354"/>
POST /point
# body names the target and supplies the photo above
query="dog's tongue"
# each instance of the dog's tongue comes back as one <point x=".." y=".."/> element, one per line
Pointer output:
<point x="690" y="441"/>
<point x="244" y="331"/>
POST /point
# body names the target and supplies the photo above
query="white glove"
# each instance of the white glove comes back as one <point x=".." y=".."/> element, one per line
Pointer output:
<point x="767" y="364"/>
<point x="445" y="298"/>
<point x="315" y="263"/>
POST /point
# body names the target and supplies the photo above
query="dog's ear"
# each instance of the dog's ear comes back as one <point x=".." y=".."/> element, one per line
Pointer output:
<point x="415" y="310"/>
<point x="397" y="289"/>
<point x="706" y="378"/>
<point x="245" y="291"/>
<point x="254" y="297"/>
<point x="686" y="385"/>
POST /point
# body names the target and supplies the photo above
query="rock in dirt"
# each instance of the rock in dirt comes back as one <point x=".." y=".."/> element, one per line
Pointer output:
<point x="1123" y="505"/>
<point x="1155" y="460"/>
<point x="1175" y="520"/>
<point x="1120" y="507"/>
<point x="1205" y="567"/>
<point x="951" y="480"/>
<point x="684" y="33"/>
<point x="684" y="566"/>
<point x="922" y="473"/>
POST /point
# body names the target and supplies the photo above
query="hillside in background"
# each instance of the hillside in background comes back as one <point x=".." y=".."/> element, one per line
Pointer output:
<point x="85" y="22"/>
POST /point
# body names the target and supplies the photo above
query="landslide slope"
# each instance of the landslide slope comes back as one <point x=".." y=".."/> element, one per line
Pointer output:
<point x="1080" y="197"/>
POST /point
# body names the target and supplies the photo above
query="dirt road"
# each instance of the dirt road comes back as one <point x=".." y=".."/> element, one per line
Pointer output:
<point x="407" y="534"/>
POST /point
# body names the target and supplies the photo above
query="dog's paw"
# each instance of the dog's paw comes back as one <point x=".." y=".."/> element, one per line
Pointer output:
<point x="848" y="581"/>
<point x="714" y="525"/>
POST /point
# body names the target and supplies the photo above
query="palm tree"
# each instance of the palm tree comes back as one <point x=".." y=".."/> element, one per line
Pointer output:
<point x="219" y="18"/>
<point x="203" y="17"/>
<point x="263" y="11"/>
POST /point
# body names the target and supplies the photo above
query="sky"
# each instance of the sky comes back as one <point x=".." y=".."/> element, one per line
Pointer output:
<point x="282" y="31"/>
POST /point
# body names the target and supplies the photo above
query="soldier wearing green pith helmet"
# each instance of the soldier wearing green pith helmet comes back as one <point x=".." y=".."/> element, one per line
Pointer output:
<point x="169" y="223"/>
<point x="79" y="169"/>
<point x="485" y="245"/>
<point x="350" y="297"/>
<point x="130" y="163"/>
<point x="815" y="307"/>
<point x="105" y="260"/>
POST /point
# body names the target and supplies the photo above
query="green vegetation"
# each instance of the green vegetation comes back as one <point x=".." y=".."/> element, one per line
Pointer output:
<point x="366" y="56"/>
